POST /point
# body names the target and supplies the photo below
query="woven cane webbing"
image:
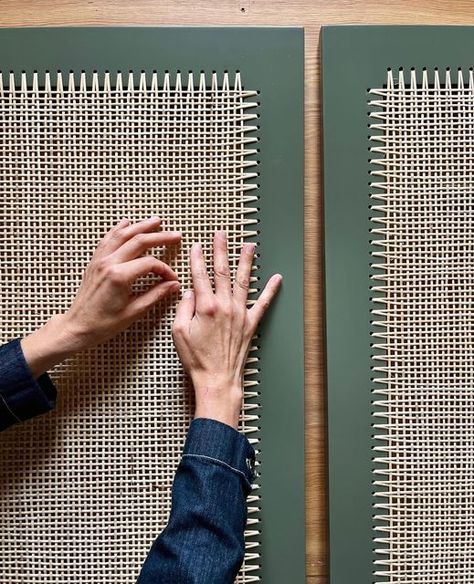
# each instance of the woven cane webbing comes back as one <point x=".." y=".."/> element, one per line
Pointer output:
<point x="85" y="490"/>
<point x="423" y="311"/>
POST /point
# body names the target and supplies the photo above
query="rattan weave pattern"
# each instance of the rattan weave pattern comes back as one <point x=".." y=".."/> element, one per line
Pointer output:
<point x="422" y="214"/>
<point x="84" y="490"/>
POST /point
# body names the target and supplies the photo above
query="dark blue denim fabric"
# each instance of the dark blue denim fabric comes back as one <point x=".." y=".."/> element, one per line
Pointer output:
<point x="203" y="542"/>
<point x="21" y="396"/>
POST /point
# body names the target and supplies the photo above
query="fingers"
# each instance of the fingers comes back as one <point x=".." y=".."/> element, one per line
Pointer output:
<point x="264" y="300"/>
<point x="184" y="312"/>
<point x="201" y="284"/>
<point x="124" y="231"/>
<point x="242" y="278"/>
<point x="221" y="264"/>
<point x="130" y="271"/>
<point x="152" y="296"/>
<point x="141" y="242"/>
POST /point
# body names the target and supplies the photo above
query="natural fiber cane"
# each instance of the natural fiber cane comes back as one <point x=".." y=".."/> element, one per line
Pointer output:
<point x="86" y="489"/>
<point x="423" y="310"/>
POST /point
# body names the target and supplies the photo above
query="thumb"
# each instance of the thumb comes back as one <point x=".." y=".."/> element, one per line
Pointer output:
<point x="186" y="308"/>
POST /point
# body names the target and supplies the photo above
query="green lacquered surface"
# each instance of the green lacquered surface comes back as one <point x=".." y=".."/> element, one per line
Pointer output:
<point x="270" y="60"/>
<point x="355" y="58"/>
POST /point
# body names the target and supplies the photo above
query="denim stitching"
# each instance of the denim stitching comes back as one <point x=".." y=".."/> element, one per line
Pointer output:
<point x="219" y="462"/>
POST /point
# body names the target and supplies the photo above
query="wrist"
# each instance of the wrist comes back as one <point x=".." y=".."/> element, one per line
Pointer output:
<point x="49" y="345"/>
<point x="219" y="402"/>
<point x="72" y="336"/>
<point x="230" y="418"/>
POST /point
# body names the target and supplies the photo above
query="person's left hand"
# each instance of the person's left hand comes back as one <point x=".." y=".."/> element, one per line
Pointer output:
<point x="213" y="329"/>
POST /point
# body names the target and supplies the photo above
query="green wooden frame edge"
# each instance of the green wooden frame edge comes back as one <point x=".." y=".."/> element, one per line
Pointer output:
<point x="271" y="60"/>
<point x="354" y="59"/>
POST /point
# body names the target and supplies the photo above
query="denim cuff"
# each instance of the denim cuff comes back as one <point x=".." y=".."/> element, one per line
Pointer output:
<point x="21" y="395"/>
<point x="218" y="442"/>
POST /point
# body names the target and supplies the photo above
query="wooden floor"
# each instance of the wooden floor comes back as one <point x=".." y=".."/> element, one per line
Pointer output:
<point x="312" y="15"/>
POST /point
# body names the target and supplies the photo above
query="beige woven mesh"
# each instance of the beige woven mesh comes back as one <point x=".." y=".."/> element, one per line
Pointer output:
<point x="423" y="276"/>
<point x="86" y="489"/>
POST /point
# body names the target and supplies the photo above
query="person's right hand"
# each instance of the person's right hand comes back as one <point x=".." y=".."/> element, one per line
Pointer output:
<point x="105" y="304"/>
<point x="212" y="331"/>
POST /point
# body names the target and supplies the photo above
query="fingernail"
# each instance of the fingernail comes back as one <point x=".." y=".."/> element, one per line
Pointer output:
<point x="197" y="246"/>
<point x="175" y="286"/>
<point x="153" y="219"/>
<point x="249" y="247"/>
<point x="278" y="277"/>
<point x="124" y="222"/>
<point x="188" y="294"/>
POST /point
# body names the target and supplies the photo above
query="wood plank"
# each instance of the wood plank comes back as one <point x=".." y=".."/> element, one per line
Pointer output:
<point x="311" y="14"/>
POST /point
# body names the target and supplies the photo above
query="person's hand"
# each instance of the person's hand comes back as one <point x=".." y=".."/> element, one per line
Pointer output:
<point x="212" y="331"/>
<point x="104" y="304"/>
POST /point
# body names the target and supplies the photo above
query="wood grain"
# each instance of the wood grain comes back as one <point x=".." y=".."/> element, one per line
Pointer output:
<point x="311" y="15"/>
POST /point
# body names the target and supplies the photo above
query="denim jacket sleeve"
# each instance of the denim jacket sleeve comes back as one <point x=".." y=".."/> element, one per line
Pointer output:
<point x="21" y="395"/>
<point x="203" y="542"/>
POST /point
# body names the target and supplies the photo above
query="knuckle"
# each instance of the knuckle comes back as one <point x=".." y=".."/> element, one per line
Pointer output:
<point x="209" y="308"/>
<point x="101" y="265"/>
<point x="156" y="263"/>
<point x="102" y="243"/>
<point x="243" y="283"/>
<point x="227" y="309"/>
<point x="112" y="273"/>
<point x="140" y="238"/>
<point x="149" y="263"/>
<point x="201" y="274"/>
<point x="221" y="272"/>
<point x="116" y="233"/>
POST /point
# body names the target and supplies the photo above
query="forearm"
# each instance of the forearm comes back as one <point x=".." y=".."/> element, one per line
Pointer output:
<point x="204" y="539"/>
<point x="25" y="388"/>
<point x="49" y="345"/>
